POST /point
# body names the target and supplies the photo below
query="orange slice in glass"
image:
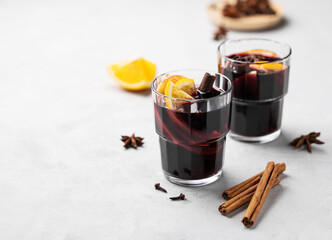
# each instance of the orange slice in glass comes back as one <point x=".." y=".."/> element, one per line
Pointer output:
<point x="268" y="66"/>
<point x="172" y="91"/>
<point x="162" y="86"/>
<point x="187" y="85"/>
<point x="262" y="52"/>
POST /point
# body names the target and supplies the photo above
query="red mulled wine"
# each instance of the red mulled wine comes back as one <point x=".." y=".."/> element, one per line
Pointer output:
<point x="260" y="80"/>
<point x="192" y="144"/>
<point x="192" y="119"/>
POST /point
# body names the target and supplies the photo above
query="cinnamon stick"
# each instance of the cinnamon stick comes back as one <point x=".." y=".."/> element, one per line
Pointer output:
<point x="276" y="182"/>
<point x="229" y="193"/>
<point x="241" y="199"/>
<point x="239" y="196"/>
<point x="247" y="186"/>
<point x="207" y="83"/>
<point x="249" y="220"/>
<point x="234" y="191"/>
<point x="245" y="194"/>
<point x="240" y="202"/>
<point x="258" y="194"/>
<point x="282" y="167"/>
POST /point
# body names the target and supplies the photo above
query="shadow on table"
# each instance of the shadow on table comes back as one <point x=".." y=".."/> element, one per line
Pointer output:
<point x="215" y="189"/>
<point x="281" y="142"/>
<point x="283" y="23"/>
<point x="146" y="92"/>
<point x="270" y="203"/>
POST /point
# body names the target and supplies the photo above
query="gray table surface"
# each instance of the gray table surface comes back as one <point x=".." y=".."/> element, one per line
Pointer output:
<point x="64" y="174"/>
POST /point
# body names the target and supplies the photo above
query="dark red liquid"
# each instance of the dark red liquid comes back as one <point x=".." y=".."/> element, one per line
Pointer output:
<point x="257" y="94"/>
<point x="192" y="143"/>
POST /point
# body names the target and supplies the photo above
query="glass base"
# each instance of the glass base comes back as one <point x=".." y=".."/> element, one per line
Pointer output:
<point x="193" y="183"/>
<point x="261" y="139"/>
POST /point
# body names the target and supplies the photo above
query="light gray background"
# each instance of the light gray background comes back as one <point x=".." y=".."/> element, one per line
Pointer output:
<point x="64" y="174"/>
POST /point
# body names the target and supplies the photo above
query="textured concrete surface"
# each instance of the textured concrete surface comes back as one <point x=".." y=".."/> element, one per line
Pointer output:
<point x="64" y="174"/>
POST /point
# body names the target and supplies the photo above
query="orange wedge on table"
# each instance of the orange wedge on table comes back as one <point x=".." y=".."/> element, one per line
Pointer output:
<point x="180" y="90"/>
<point x="133" y="75"/>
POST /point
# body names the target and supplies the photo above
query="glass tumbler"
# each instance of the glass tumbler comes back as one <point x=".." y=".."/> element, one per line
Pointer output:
<point x="259" y="71"/>
<point x="192" y="136"/>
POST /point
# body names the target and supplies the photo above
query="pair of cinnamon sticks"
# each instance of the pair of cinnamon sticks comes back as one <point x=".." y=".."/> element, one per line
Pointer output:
<point x="253" y="190"/>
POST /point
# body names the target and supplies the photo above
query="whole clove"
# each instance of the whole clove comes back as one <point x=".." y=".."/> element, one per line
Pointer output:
<point x="158" y="187"/>
<point x="180" y="197"/>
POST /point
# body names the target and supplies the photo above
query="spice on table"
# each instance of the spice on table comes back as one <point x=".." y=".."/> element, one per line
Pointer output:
<point x="264" y="186"/>
<point x="233" y="191"/>
<point x="132" y="141"/>
<point x="306" y="140"/>
<point x="248" y="8"/>
<point x="242" y="193"/>
<point x="231" y="11"/>
<point x="180" y="197"/>
<point x="158" y="187"/>
<point x="220" y="33"/>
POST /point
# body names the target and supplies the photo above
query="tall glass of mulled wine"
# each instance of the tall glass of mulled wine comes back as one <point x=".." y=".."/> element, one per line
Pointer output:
<point x="259" y="71"/>
<point x="192" y="119"/>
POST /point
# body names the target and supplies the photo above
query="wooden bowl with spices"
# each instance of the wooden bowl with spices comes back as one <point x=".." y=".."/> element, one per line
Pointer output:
<point x="245" y="15"/>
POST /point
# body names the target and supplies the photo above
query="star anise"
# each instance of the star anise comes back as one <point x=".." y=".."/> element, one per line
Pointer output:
<point x="132" y="141"/>
<point x="306" y="140"/>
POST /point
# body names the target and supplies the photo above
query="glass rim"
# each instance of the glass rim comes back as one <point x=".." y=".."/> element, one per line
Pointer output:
<point x="154" y="90"/>
<point x="252" y="39"/>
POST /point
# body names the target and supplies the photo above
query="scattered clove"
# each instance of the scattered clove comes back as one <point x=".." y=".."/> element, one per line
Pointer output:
<point x="158" y="187"/>
<point x="180" y="197"/>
